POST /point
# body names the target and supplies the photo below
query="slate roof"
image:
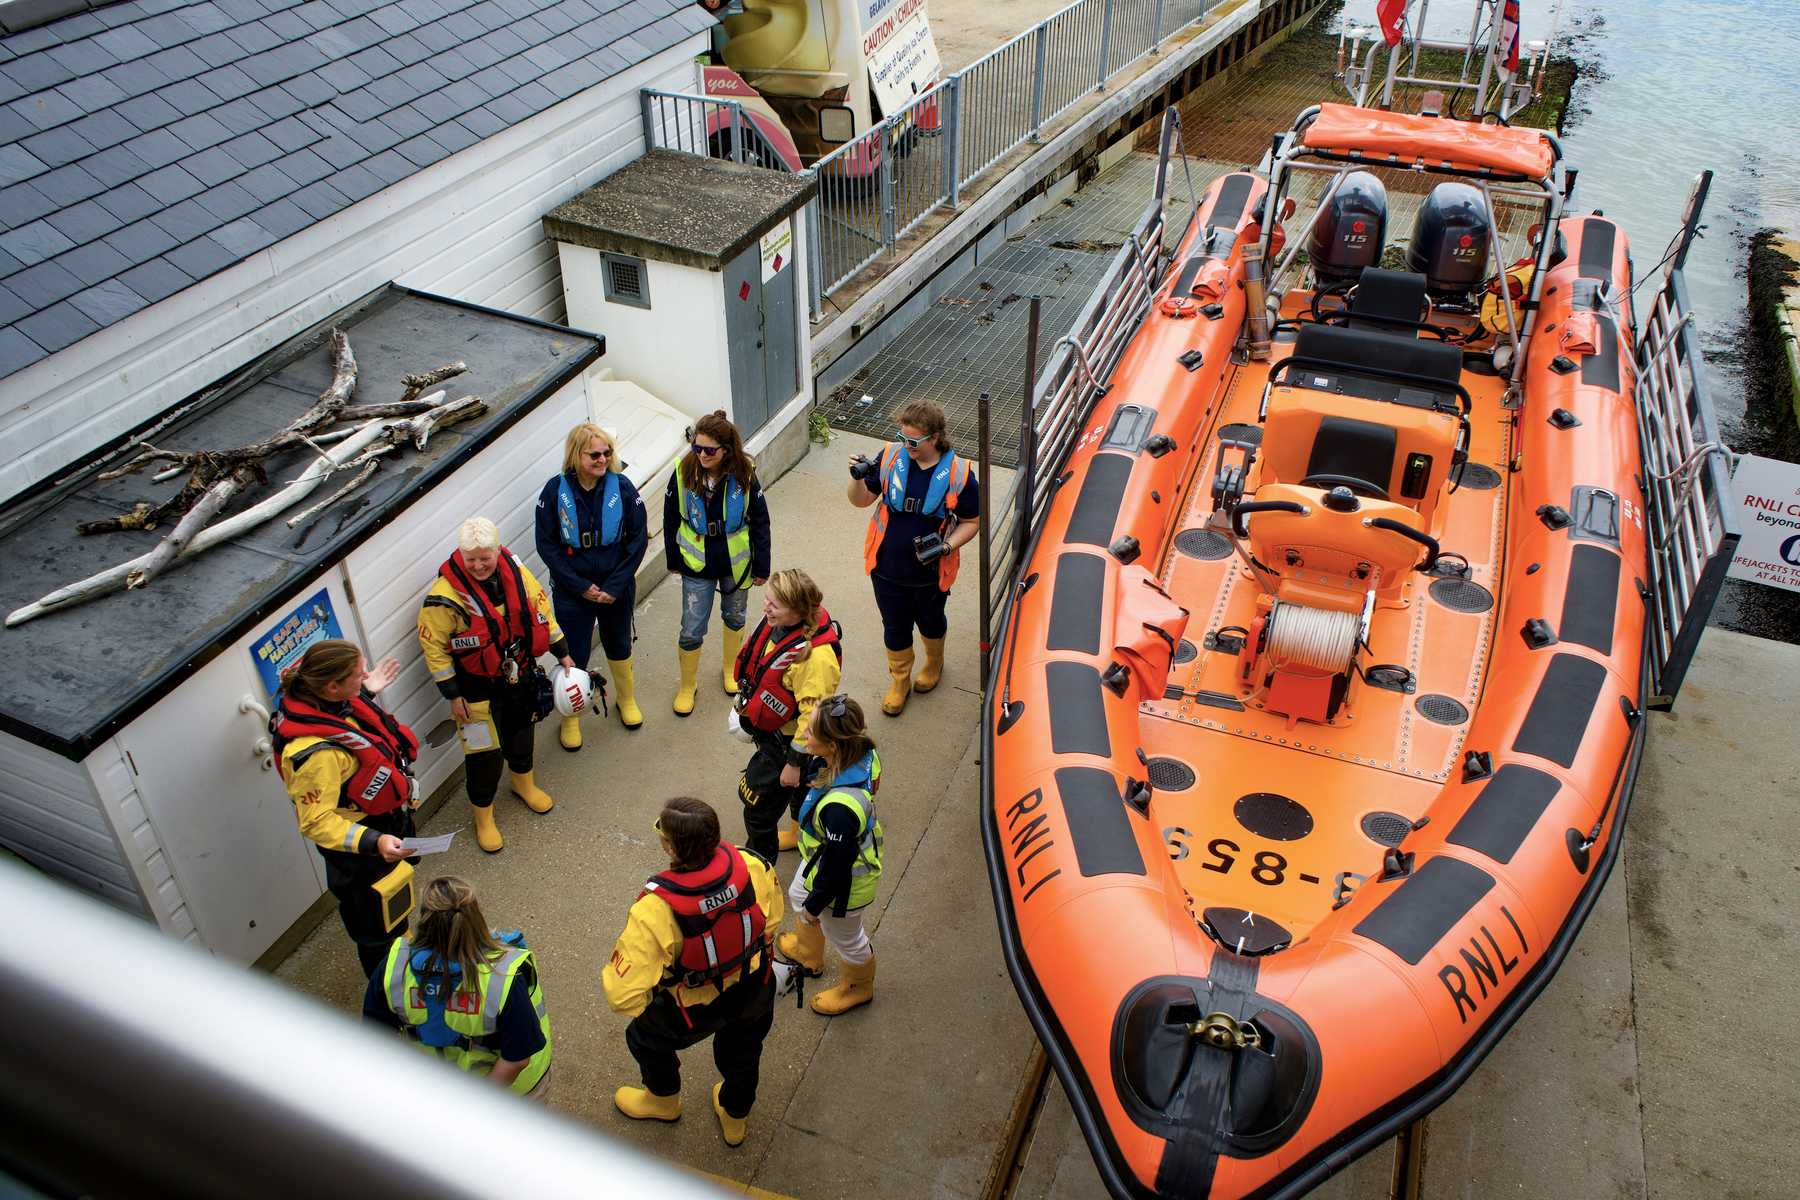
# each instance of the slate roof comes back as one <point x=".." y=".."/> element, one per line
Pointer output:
<point x="148" y="144"/>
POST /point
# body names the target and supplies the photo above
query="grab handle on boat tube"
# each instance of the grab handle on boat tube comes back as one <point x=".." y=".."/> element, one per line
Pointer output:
<point x="1222" y="1031"/>
<point x="1255" y="506"/>
<point x="1407" y="531"/>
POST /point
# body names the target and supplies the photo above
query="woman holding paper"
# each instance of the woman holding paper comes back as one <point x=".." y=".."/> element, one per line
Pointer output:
<point x="345" y="762"/>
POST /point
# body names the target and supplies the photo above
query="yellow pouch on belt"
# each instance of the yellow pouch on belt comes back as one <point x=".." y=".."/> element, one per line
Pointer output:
<point x="479" y="734"/>
<point x="396" y="892"/>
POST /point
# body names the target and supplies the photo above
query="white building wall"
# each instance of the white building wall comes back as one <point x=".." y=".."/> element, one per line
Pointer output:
<point x="468" y="227"/>
<point x="676" y="348"/>
<point x="51" y="816"/>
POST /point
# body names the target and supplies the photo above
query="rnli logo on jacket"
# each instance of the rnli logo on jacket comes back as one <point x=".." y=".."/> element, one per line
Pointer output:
<point x="467" y="1003"/>
<point x="376" y="782"/>
<point x="774" y="705"/>
<point x="718" y="899"/>
<point x="467" y="642"/>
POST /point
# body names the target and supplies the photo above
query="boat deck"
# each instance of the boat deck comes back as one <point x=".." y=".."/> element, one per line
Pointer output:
<point x="1325" y="801"/>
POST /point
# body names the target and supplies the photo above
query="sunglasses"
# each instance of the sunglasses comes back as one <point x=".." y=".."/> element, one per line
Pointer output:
<point x="597" y="453"/>
<point x="835" y="706"/>
<point x="706" y="451"/>
<point x="913" y="442"/>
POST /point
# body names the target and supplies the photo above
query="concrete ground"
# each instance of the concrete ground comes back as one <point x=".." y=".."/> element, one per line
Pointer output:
<point x="904" y="1098"/>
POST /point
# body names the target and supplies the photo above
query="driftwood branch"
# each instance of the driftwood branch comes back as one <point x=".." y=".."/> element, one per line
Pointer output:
<point x="210" y="505"/>
<point x="361" y="478"/>
<point x="156" y="559"/>
<point x="416" y="384"/>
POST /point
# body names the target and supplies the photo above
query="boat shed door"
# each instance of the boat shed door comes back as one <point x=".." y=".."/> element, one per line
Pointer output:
<point x="761" y="332"/>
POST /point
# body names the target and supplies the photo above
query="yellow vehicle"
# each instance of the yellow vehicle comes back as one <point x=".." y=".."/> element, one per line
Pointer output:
<point x="813" y="75"/>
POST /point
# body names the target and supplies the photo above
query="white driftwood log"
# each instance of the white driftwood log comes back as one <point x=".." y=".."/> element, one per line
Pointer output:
<point x="114" y="578"/>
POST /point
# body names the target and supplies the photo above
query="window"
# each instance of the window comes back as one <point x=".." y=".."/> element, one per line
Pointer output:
<point x="626" y="280"/>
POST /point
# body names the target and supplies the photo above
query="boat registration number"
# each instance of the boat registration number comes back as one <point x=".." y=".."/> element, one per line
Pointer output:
<point x="1270" y="868"/>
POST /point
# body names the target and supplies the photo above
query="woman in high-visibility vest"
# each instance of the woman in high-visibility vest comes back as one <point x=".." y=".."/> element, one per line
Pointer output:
<point x="927" y="503"/>
<point x="346" y="762"/>
<point x="591" y="534"/>
<point x="464" y="993"/>
<point x="716" y="537"/>
<point x="840" y="856"/>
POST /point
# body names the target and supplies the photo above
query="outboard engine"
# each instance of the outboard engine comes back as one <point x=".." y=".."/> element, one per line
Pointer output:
<point x="1450" y="242"/>
<point x="1350" y="230"/>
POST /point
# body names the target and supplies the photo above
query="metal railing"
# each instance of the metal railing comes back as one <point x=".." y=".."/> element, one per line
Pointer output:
<point x="1061" y="397"/>
<point x="873" y="190"/>
<point x="1693" y="532"/>
<point x="703" y="125"/>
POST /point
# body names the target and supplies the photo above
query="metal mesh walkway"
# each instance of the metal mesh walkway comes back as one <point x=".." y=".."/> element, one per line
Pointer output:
<point x="973" y="339"/>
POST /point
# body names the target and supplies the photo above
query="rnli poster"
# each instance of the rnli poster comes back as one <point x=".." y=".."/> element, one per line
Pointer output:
<point x="282" y="644"/>
<point x="902" y="57"/>
<point x="1768" y="495"/>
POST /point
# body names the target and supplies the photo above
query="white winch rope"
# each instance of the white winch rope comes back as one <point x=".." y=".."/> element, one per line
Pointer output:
<point x="1312" y="637"/>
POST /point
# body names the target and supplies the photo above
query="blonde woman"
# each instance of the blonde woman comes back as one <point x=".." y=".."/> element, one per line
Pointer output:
<point x="716" y="537"/>
<point x="840" y="856"/>
<point x="791" y="661"/>
<point x="591" y="533"/>
<point x="345" y="762"/>
<point x="483" y="625"/>
<point x="465" y="993"/>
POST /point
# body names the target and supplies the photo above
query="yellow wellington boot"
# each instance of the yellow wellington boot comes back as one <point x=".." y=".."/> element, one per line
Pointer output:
<point x="642" y="1104"/>
<point x="734" y="640"/>
<point x="787" y="838"/>
<point x="804" y="945"/>
<point x="690" y="675"/>
<point x="487" y="833"/>
<point x="855" y="989"/>
<point x="625" y="692"/>
<point x="900" y="663"/>
<point x="734" y="1128"/>
<point x="568" y="734"/>
<point x="535" y="797"/>
<point x="933" y="670"/>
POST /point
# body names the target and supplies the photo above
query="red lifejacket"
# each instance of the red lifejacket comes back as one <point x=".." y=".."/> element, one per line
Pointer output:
<point x="480" y="649"/>
<point x="768" y="703"/>
<point x="716" y="910"/>
<point x="382" y="747"/>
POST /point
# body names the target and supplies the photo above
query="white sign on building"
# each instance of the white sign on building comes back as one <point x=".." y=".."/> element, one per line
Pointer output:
<point x="1768" y="495"/>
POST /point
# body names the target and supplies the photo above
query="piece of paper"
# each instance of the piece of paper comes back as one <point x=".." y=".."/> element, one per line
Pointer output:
<point x="427" y="845"/>
<point x="478" y="735"/>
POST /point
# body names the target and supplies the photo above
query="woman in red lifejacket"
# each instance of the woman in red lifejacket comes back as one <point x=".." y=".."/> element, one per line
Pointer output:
<point x="694" y="962"/>
<point x="790" y="662"/>
<point x="346" y="763"/>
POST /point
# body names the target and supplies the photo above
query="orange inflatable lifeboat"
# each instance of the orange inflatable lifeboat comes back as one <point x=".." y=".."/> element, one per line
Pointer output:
<point x="1319" y="697"/>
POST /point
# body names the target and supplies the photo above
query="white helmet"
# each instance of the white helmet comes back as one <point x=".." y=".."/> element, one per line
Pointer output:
<point x="573" y="690"/>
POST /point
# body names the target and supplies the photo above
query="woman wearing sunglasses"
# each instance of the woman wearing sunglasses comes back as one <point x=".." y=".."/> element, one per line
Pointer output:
<point x="716" y="537"/>
<point x="927" y="507"/>
<point x="592" y="534"/>
<point x="840" y="855"/>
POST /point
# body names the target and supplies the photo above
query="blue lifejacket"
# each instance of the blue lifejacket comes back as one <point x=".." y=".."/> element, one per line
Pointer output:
<point x="857" y="775"/>
<point x="612" y="514"/>
<point x="436" y="985"/>
<point x="694" y="508"/>
<point x="933" y="505"/>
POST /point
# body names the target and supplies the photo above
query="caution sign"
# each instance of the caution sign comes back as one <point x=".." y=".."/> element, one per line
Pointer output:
<point x="777" y="249"/>
<point x="1768" y="494"/>
<point x="897" y="42"/>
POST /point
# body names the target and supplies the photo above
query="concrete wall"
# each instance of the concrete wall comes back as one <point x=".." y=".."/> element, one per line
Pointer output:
<point x="468" y="227"/>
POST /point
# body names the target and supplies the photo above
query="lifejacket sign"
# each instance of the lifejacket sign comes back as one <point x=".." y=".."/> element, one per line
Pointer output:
<point x="902" y="57"/>
<point x="282" y="644"/>
<point x="1768" y="493"/>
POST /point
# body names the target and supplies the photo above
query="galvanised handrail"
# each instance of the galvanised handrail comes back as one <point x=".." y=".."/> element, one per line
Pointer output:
<point x="873" y="190"/>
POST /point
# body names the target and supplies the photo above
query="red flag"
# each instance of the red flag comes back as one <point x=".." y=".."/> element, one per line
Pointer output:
<point x="1392" y="15"/>
<point x="1509" y="34"/>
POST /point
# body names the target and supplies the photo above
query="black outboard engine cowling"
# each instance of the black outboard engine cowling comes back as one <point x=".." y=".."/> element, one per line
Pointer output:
<point x="1350" y="230"/>
<point x="1450" y="242"/>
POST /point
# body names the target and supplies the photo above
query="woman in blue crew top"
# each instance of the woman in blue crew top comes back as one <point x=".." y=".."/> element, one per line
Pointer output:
<point x="591" y="534"/>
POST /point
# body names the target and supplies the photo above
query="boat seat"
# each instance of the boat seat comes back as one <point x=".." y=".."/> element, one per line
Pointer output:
<point x="1389" y="300"/>
<point x="1378" y="365"/>
<point x="1327" y="558"/>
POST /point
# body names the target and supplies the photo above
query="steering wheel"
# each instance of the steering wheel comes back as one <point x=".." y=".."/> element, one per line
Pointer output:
<point x="1360" y="486"/>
